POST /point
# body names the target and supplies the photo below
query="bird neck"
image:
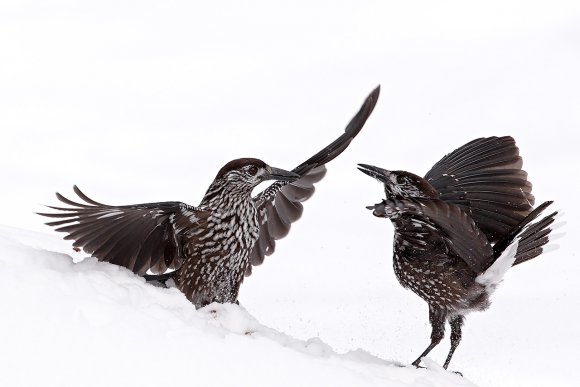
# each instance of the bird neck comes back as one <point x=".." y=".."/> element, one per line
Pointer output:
<point x="222" y="194"/>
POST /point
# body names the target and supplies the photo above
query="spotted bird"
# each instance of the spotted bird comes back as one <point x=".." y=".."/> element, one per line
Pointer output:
<point x="459" y="229"/>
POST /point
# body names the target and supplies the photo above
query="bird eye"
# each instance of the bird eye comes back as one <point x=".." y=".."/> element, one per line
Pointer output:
<point x="253" y="170"/>
<point x="400" y="179"/>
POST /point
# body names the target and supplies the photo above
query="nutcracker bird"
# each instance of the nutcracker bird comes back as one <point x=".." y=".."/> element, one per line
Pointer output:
<point x="208" y="249"/>
<point x="459" y="229"/>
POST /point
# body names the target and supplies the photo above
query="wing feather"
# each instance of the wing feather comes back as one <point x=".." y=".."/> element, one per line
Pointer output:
<point x="139" y="237"/>
<point x="281" y="203"/>
<point x="447" y="224"/>
<point x="484" y="177"/>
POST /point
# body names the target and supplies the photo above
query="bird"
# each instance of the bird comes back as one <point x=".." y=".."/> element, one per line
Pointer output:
<point x="207" y="250"/>
<point x="460" y="228"/>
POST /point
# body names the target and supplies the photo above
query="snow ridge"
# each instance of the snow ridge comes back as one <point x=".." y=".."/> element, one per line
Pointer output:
<point x="92" y="323"/>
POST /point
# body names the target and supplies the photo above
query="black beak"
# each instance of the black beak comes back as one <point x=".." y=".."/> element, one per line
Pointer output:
<point x="280" y="174"/>
<point x="380" y="174"/>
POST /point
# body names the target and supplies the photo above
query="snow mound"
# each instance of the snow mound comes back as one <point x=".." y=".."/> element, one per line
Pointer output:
<point x="90" y="323"/>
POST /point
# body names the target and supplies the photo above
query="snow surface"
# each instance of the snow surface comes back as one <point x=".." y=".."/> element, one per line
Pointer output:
<point x="145" y="101"/>
<point x="95" y="324"/>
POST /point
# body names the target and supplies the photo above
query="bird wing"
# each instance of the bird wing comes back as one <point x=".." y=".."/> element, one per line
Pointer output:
<point x="280" y="204"/>
<point x="485" y="178"/>
<point x="139" y="237"/>
<point x="432" y="222"/>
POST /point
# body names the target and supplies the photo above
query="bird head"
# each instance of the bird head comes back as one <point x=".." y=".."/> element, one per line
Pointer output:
<point x="401" y="184"/>
<point x="241" y="176"/>
<point x="251" y="172"/>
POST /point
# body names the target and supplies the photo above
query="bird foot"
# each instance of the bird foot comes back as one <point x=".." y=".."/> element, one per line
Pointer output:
<point x="416" y="363"/>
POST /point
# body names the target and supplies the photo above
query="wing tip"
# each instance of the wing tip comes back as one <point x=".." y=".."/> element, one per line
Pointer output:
<point x="365" y="111"/>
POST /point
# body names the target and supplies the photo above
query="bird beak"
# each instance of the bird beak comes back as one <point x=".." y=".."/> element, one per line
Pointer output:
<point x="380" y="174"/>
<point x="280" y="174"/>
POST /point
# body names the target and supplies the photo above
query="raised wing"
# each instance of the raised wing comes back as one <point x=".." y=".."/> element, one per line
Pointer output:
<point x="428" y="223"/>
<point x="281" y="203"/>
<point x="139" y="237"/>
<point x="484" y="177"/>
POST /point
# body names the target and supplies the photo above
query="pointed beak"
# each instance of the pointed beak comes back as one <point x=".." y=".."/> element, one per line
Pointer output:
<point x="280" y="174"/>
<point x="380" y="174"/>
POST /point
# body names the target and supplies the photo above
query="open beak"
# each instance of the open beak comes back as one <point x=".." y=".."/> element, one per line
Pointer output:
<point x="280" y="174"/>
<point x="380" y="174"/>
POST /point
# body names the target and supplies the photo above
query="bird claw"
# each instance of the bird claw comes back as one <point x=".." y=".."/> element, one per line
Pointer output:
<point x="416" y="363"/>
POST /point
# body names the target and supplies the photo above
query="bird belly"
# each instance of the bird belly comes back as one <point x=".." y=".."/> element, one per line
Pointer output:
<point x="439" y="286"/>
<point x="204" y="280"/>
<point x="215" y="265"/>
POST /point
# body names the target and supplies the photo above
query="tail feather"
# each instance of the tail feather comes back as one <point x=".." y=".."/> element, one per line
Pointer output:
<point x="533" y="239"/>
<point x="540" y="226"/>
<point x="505" y="241"/>
<point x="491" y="277"/>
<point x="532" y="242"/>
<point x="531" y="236"/>
<point x="524" y="242"/>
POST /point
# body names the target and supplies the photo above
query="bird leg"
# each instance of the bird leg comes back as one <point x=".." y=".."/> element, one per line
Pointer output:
<point x="455" y="323"/>
<point x="437" y="320"/>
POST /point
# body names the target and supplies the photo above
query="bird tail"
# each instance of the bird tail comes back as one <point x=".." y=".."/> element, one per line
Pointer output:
<point x="524" y="242"/>
<point x="531" y="237"/>
<point x="493" y="275"/>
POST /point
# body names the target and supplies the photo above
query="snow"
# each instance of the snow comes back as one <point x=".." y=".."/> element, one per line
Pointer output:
<point x="138" y="102"/>
<point x="94" y="324"/>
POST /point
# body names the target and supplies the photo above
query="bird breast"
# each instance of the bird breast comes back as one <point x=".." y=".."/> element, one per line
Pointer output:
<point x="217" y="256"/>
<point x="434" y="277"/>
<point x="232" y="233"/>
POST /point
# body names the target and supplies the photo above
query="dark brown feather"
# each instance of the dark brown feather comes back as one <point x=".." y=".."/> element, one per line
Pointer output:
<point x="279" y="211"/>
<point x="450" y="225"/>
<point x="139" y="237"/>
<point x="484" y="177"/>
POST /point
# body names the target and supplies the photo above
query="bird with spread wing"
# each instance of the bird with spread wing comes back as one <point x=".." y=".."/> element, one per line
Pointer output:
<point x="459" y="229"/>
<point x="206" y="249"/>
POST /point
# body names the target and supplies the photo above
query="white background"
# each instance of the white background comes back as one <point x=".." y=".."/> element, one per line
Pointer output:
<point x="139" y="101"/>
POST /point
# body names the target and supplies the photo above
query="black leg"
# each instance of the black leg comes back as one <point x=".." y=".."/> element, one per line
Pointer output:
<point x="437" y="320"/>
<point x="455" y="323"/>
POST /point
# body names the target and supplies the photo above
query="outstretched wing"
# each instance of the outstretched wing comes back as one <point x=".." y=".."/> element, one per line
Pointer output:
<point x="429" y="223"/>
<point x="139" y="237"/>
<point x="281" y="203"/>
<point x="485" y="178"/>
